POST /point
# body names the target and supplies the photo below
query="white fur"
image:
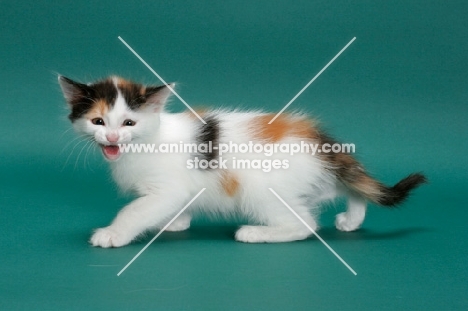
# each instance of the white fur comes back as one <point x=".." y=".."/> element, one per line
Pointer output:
<point x="354" y="216"/>
<point x="164" y="185"/>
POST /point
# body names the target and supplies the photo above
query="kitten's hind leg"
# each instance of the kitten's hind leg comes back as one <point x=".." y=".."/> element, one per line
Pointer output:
<point x="283" y="227"/>
<point x="354" y="216"/>
<point x="181" y="223"/>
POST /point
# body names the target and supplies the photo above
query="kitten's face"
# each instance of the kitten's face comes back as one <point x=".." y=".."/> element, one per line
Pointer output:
<point x="114" y="111"/>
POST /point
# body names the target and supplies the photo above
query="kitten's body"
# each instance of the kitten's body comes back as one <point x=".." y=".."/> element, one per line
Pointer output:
<point x="164" y="184"/>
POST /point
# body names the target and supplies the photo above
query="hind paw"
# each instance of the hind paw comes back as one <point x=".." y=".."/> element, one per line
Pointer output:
<point x="344" y="222"/>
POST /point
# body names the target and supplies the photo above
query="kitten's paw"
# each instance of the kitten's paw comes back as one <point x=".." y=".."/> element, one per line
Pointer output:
<point x="180" y="224"/>
<point x="250" y="234"/>
<point x="344" y="222"/>
<point x="267" y="234"/>
<point x="107" y="237"/>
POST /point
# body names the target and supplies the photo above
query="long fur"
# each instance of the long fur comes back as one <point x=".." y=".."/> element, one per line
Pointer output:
<point x="115" y="111"/>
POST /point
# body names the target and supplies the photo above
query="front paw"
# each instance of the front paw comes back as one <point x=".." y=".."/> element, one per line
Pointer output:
<point x="251" y="234"/>
<point x="108" y="237"/>
<point x="180" y="224"/>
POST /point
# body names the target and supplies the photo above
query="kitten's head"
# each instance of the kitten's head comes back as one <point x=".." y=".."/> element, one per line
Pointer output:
<point x="114" y="111"/>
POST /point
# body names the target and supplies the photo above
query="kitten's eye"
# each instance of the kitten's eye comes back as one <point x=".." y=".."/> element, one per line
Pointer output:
<point x="129" y="122"/>
<point x="97" y="121"/>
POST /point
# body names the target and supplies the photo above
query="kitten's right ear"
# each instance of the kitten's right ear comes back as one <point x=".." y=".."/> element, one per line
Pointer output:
<point x="72" y="90"/>
<point x="157" y="96"/>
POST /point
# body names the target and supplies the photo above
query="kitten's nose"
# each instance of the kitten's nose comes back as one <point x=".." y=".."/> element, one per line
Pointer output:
<point x="112" y="137"/>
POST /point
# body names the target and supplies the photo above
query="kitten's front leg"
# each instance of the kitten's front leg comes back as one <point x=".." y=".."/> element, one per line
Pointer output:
<point x="134" y="219"/>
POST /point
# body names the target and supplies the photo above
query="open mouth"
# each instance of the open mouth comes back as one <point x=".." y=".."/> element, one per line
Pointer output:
<point x="111" y="152"/>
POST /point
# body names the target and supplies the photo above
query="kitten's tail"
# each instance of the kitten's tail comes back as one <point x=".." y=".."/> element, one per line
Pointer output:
<point x="358" y="180"/>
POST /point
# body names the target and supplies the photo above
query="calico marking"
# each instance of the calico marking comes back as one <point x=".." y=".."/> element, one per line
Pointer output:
<point x="284" y="126"/>
<point x="99" y="109"/>
<point x="229" y="183"/>
<point x="209" y="132"/>
<point x="136" y="95"/>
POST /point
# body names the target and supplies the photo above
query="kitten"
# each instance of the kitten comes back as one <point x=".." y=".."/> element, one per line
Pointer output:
<point x="114" y="111"/>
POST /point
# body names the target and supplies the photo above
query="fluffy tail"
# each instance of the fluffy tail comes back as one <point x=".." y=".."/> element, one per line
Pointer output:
<point x="355" y="177"/>
<point x="395" y="195"/>
<point x="384" y="195"/>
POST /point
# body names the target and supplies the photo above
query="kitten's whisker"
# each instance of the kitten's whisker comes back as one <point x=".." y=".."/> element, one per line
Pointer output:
<point x="71" y="152"/>
<point x="85" y="164"/>
<point x="92" y="145"/>
<point x="73" y="140"/>
<point x="81" y="151"/>
<point x="66" y="131"/>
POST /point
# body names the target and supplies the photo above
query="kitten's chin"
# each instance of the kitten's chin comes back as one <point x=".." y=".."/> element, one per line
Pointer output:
<point x="111" y="153"/>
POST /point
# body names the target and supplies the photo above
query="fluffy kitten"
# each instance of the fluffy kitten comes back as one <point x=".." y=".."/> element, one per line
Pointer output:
<point x="115" y="111"/>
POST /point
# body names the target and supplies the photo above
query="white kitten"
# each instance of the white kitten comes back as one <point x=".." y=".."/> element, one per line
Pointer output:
<point x="114" y="112"/>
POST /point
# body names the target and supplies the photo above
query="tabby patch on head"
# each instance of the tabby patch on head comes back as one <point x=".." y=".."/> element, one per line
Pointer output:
<point x="101" y="95"/>
<point x="137" y="95"/>
<point x="82" y="97"/>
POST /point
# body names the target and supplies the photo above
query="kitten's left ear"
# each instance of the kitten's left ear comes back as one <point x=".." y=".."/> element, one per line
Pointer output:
<point x="156" y="96"/>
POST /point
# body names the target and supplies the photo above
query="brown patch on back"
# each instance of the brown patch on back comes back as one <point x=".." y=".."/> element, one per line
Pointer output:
<point x="283" y="126"/>
<point x="229" y="183"/>
<point x="98" y="110"/>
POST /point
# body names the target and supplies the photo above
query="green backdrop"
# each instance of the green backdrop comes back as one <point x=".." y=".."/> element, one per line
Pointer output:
<point x="399" y="92"/>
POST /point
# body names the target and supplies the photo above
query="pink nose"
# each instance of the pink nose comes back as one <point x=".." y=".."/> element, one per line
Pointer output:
<point x="112" y="138"/>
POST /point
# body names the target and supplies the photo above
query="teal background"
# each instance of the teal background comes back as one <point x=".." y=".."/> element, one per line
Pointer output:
<point x="399" y="92"/>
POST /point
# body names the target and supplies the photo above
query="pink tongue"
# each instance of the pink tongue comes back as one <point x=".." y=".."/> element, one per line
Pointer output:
<point x="112" y="150"/>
